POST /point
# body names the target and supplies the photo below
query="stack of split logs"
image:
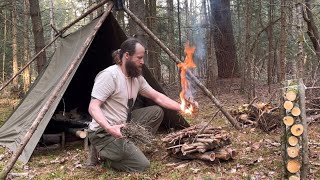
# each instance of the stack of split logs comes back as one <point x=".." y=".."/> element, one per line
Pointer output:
<point x="293" y="130"/>
<point x="259" y="114"/>
<point x="201" y="142"/>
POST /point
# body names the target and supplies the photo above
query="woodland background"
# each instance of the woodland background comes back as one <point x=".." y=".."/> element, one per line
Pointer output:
<point x="255" y="41"/>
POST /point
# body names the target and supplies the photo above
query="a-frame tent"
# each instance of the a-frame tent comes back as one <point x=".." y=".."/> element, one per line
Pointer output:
<point x="76" y="91"/>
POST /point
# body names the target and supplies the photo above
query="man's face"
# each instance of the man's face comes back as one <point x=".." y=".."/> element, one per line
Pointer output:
<point x="135" y="62"/>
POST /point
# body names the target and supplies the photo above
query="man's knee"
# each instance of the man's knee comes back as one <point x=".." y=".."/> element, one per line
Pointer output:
<point x="143" y="165"/>
<point x="158" y="111"/>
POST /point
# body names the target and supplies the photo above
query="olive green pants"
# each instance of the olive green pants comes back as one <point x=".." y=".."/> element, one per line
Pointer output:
<point x="122" y="154"/>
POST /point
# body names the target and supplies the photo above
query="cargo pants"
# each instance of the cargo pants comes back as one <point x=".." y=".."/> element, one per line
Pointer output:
<point x="122" y="154"/>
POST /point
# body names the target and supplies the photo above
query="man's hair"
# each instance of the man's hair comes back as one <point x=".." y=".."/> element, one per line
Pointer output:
<point x="129" y="46"/>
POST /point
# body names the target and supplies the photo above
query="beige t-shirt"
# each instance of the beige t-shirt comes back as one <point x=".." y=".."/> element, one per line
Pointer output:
<point x="113" y="88"/>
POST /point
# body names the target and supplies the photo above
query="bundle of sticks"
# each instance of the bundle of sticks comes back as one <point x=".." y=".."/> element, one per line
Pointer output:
<point x="202" y="142"/>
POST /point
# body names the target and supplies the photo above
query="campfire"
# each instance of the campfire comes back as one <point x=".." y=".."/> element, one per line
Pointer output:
<point x="188" y="104"/>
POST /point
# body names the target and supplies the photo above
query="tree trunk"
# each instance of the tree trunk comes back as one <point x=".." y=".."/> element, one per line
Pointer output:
<point x="170" y="40"/>
<point x="179" y="31"/>
<point x="26" y="73"/>
<point x="101" y="9"/>
<point x="91" y="14"/>
<point x="52" y="23"/>
<point x="138" y="8"/>
<point x="4" y="45"/>
<point x="224" y="39"/>
<point x="270" y="44"/>
<point x="313" y="34"/>
<point x="14" y="45"/>
<point x="246" y="71"/>
<point x="187" y="20"/>
<point x="37" y="29"/>
<point x="283" y="42"/>
<point x="154" y="50"/>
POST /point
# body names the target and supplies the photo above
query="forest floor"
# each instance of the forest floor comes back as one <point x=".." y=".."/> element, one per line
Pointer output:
<point x="259" y="153"/>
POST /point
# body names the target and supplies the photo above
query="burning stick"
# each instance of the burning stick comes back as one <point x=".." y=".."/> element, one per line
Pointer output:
<point x="188" y="105"/>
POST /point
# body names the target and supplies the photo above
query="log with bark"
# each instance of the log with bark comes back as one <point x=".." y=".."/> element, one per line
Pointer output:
<point x="259" y="114"/>
<point x="202" y="142"/>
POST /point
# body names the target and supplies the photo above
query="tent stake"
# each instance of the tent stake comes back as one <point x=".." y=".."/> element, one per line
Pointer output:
<point x="59" y="33"/>
<point x="177" y="61"/>
<point x="53" y="95"/>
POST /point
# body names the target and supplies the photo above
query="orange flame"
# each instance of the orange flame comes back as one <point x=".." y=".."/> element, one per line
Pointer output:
<point x="185" y="85"/>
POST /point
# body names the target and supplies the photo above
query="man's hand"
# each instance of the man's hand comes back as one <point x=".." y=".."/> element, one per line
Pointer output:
<point x="115" y="130"/>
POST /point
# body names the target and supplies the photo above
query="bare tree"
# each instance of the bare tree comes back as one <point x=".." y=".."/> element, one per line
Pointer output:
<point x="4" y="44"/>
<point x="283" y="42"/>
<point x="153" y="48"/>
<point x="223" y="38"/>
<point x="172" y="66"/>
<point x="37" y="29"/>
<point x="26" y="72"/>
<point x="14" y="45"/>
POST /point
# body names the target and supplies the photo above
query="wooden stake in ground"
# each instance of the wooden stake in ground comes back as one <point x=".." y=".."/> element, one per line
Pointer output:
<point x="189" y="74"/>
<point x="53" y="95"/>
<point x="305" y="151"/>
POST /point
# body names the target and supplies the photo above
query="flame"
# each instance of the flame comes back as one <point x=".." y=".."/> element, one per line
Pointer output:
<point x="188" y="63"/>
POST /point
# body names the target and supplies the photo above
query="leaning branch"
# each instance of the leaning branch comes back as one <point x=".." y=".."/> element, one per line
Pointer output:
<point x="176" y="59"/>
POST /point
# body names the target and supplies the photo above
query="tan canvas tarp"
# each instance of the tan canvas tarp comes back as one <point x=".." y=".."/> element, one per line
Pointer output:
<point x="12" y="132"/>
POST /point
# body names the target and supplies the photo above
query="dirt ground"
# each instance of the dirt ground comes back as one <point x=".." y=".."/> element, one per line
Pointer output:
<point x="259" y="153"/>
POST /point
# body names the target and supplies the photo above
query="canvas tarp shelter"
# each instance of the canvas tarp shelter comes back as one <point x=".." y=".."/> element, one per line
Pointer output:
<point x="76" y="92"/>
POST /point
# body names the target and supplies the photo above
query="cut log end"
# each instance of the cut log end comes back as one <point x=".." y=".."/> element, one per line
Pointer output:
<point x="295" y="111"/>
<point x="293" y="166"/>
<point x="288" y="120"/>
<point x="291" y="95"/>
<point x="293" y="152"/>
<point x="288" y="105"/>
<point x="293" y="140"/>
<point x="293" y="177"/>
<point x="297" y="129"/>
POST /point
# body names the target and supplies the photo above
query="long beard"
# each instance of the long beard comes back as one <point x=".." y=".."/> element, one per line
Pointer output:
<point x="132" y="69"/>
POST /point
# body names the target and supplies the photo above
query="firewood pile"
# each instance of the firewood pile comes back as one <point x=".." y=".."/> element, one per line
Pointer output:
<point x="259" y="114"/>
<point x="200" y="142"/>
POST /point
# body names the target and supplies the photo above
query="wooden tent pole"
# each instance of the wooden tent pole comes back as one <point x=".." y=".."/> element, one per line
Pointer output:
<point x="177" y="61"/>
<point x="54" y="94"/>
<point x="52" y="41"/>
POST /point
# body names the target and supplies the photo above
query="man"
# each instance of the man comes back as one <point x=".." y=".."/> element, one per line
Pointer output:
<point x="113" y="95"/>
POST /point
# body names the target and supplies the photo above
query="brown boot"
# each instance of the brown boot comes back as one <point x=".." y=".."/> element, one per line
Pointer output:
<point x="93" y="159"/>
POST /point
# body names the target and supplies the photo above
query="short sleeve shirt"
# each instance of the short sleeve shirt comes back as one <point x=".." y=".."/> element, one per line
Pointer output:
<point x="113" y="88"/>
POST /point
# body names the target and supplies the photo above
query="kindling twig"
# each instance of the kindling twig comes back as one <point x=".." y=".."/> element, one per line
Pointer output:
<point x="204" y="127"/>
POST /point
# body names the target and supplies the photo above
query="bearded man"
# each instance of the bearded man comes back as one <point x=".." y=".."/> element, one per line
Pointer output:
<point x="113" y="95"/>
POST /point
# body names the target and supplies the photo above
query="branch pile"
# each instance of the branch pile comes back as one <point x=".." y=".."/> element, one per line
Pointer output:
<point x="261" y="115"/>
<point x="200" y="142"/>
